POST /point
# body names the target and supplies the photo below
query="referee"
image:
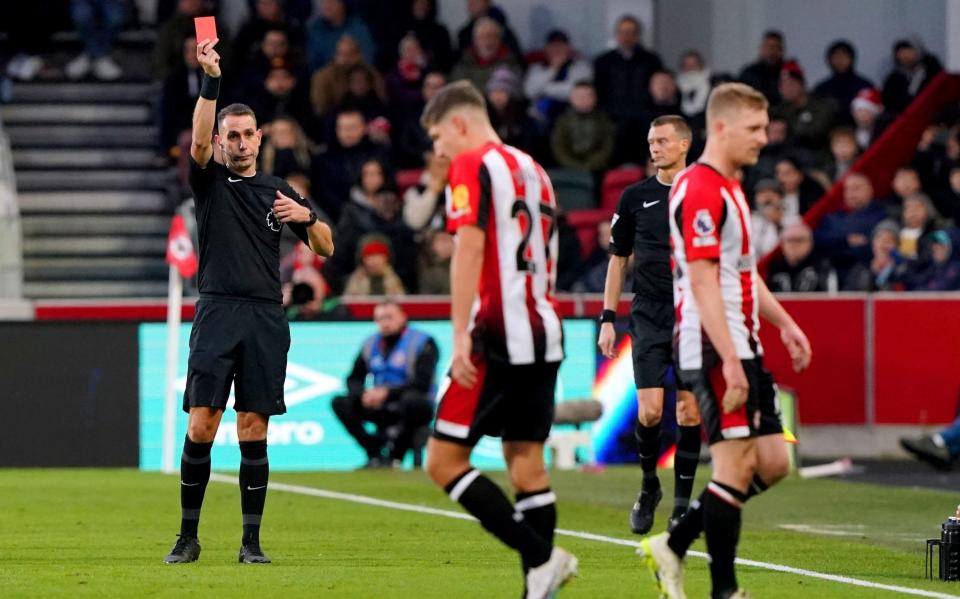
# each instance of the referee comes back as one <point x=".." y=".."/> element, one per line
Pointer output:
<point x="641" y="226"/>
<point x="240" y="335"/>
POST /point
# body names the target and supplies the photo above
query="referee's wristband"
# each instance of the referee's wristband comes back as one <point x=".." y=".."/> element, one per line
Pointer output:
<point x="608" y="316"/>
<point x="210" y="88"/>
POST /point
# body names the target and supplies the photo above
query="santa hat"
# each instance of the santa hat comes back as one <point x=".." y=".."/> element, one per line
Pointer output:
<point x="868" y="99"/>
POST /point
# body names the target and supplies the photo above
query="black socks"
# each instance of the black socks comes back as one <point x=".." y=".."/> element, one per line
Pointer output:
<point x="688" y="528"/>
<point x="685" y="467"/>
<point x="539" y="509"/>
<point x="194" y="476"/>
<point x="254" y="474"/>
<point x="721" y="525"/>
<point x="484" y="499"/>
<point x="648" y="449"/>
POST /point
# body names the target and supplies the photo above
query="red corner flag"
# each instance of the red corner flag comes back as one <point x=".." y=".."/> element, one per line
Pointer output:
<point x="180" y="248"/>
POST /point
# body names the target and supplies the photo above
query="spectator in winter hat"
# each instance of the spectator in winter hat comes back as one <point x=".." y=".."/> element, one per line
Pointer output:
<point x="867" y="108"/>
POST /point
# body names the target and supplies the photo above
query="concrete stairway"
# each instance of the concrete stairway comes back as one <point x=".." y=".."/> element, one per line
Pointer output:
<point x="95" y="205"/>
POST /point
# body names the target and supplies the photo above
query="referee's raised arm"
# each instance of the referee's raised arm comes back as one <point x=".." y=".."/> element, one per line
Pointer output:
<point x="205" y="113"/>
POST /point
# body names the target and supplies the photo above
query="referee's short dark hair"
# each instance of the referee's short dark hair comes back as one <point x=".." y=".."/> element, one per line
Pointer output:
<point x="453" y="95"/>
<point x="235" y="109"/>
<point x="679" y="125"/>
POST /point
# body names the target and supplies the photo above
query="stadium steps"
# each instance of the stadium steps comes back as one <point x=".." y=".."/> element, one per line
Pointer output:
<point x="101" y="224"/>
<point x="88" y="268"/>
<point x="82" y="136"/>
<point x="94" y="289"/>
<point x="112" y="158"/>
<point x="72" y="113"/>
<point x="95" y="202"/>
<point x="94" y="246"/>
<point x="53" y="93"/>
<point x="91" y="201"/>
<point x="142" y="179"/>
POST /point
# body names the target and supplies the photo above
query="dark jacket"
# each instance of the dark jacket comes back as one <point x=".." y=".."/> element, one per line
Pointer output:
<point x="831" y="235"/>
<point x="809" y="275"/>
<point x="338" y="169"/>
<point x="583" y="141"/>
<point x="435" y="41"/>
<point x="934" y="276"/>
<point x="900" y="87"/>
<point x="862" y="278"/>
<point x="764" y="77"/>
<point x="809" y="122"/>
<point x="842" y="88"/>
<point x="622" y="83"/>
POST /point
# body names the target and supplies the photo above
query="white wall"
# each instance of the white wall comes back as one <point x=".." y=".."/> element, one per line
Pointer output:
<point x="952" y="20"/>
<point x="588" y="22"/>
<point x="727" y="31"/>
<point x="810" y="25"/>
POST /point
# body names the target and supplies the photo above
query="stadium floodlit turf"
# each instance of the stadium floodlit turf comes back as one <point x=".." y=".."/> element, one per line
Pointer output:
<point x="103" y="533"/>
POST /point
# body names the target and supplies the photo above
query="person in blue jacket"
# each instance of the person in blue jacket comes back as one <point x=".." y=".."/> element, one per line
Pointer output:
<point x="401" y="362"/>
<point x="844" y="236"/>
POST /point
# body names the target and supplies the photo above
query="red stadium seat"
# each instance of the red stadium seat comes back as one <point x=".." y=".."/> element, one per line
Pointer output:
<point x="585" y="222"/>
<point x="408" y="178"/>
<point x="614" y="182"/>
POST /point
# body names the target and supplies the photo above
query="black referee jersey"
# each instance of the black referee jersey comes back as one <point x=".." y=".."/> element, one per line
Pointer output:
<point x="238" y="232"/>
<point x="641" y="225"/>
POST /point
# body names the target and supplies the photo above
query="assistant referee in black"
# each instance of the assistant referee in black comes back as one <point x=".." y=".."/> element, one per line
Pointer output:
<point x="240" y="334"/>
<point x="641" y="227"/>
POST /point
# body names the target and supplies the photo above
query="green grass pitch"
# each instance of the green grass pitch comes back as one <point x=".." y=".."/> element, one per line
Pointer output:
<point x="103" y="533"/>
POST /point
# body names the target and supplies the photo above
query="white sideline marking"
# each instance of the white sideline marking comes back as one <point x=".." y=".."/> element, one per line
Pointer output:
<point x="420" y="509"/>
<point x="827" y="529"/>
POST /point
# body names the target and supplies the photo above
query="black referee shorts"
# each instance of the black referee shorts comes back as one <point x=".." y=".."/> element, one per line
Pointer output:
<point x="242" y="343"/>
<point x="651" y="332"/>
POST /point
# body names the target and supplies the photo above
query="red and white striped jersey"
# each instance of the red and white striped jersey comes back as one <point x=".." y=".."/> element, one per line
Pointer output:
<point x="504" y="192"/>
<point x="710" y="220"/>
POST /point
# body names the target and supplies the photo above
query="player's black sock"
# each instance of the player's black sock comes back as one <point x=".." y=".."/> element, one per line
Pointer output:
<point x="757" y="486"/>
<point x="691" y="524"/>
<point x="539" y="509"/>
<point x="648" y="449"/>
<point x="484" y="499"/>
<point x="688" y="528"/>
<point x="685" y="467"/>
<point x="721" y="525"/>
<point x="194" y="476"/>
<point x="254" y="474"/>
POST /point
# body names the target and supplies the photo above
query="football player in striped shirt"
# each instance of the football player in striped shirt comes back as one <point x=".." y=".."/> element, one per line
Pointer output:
<point x="507" y="334"/>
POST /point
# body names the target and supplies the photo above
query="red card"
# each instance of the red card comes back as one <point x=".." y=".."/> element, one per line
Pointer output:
<point x="206" y="28"/>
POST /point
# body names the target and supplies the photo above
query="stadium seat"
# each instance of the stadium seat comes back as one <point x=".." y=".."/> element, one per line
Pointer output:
<point x="585" y="223"/>
<point x="574" y="188"/>
<point x="614" y="182"/>
<point x="408" y="178"/>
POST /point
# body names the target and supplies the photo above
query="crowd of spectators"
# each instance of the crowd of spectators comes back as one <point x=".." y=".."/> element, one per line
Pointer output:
<point x="339" y="95"/>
